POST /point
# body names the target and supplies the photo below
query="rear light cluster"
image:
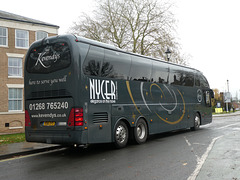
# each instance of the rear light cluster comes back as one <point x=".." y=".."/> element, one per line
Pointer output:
<point x="27" y="119"/>
<point x="76" y="117"/>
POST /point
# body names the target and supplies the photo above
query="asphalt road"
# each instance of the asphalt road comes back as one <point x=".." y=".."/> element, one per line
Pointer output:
<point x="177" y="155"/>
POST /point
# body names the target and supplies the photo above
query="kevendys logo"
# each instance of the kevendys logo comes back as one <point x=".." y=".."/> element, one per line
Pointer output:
<point x="47" y="61"/>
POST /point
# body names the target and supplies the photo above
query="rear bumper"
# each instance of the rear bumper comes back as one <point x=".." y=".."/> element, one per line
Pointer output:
<point x="56" y="137"/>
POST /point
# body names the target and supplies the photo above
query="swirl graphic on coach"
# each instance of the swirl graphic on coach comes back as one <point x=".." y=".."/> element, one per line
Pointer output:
<point x="167" y="98"/>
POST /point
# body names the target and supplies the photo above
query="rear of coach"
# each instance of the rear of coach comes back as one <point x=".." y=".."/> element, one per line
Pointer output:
<point x="53" y="110"/>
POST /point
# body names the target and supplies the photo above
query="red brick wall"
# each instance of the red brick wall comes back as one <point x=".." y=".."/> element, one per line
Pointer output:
<point x="15" y="120"/>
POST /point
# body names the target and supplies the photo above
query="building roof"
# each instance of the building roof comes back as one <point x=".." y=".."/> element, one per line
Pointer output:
<point x="14" y="17"/>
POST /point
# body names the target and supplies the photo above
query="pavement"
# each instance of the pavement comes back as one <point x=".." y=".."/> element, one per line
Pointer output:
<point x="237" y="113"/>
<point x="24" y="148"/>
<point x="223" y="161"/>
<point x="227" y="159"/>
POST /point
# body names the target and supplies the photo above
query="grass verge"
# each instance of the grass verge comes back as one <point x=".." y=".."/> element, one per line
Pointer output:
<point x="12" y="138"/>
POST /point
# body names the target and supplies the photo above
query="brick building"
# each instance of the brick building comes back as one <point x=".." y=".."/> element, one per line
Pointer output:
<point x="17" y="33"/>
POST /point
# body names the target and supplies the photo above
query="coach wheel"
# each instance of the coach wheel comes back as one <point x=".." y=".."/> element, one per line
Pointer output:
<point x="121" y="135"/>
<point x="140" y="132"/>
<point x="197" y="122"/>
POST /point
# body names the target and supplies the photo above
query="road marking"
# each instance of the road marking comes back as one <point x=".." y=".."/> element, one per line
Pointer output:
<point x="30" y="155"/>
<point x="190" y="145"/>
<point x="19" y="157"/>
<point x="223" y="127"/>
<point x="201" y="161"/>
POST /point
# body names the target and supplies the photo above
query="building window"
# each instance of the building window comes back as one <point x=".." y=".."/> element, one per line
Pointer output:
<point x="3" y="36"/>
<point x="15" y="99"/>
<point x="41" y="34"/>
<point x="14" y="67"/>
<point x="22" y="39"/>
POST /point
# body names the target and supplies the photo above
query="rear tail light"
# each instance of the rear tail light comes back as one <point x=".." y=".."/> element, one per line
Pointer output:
<point x="27" y="119"/>
<point x="78" y="112"/>
<point x="76" y="117"/>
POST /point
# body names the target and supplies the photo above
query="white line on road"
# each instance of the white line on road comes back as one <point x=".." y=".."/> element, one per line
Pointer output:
<point x="30" y="155"/>
<point x="201" y="161"/>
<point x="190" y="145"/>
<point x="223" y="127"/>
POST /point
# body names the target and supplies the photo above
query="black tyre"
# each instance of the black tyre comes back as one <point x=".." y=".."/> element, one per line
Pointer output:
<point x="121" y="135"/>
<point x="197" y="122"/>
<point x="140" y="132"/>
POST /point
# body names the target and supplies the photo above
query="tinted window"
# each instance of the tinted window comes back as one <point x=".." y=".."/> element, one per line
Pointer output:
<point x="160" y="72"/>
<point x="116" y="64"/>
<point x="93" y="61"/>
<point x="176" y="76"/>
<point x="200" y="80"/>
<point x="49" y="58"/>
<point x="188" y="78"/>
<point x="140" y="69"/>
<point x="181" y="76"/>
<point x="197" y="80"/>
<point x="203" y="82"/>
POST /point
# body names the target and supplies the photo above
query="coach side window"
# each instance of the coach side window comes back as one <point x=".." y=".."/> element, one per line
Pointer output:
<point x="188" y="78"/>
<point x="160" y="72"/>
<point x="140" y="69"/>
<point x="93" y="61"/>
<point x="197" y="80"/>
<point x="200" y="80"/>
<point x="176" y="76"/>
<point x="116" y="65"/>
<point x="203" y="82"/>
<point x="181" y="76"/>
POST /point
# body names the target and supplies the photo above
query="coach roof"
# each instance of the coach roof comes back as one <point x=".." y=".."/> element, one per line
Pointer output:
<point x="108" y="46"/>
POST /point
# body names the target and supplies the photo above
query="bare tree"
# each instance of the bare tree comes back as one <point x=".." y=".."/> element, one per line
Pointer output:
<point x="140" y="26"/>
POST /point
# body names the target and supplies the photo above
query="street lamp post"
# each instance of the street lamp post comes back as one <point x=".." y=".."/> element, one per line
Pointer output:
<point x="168" y="54"/>
<point x="228" y="85"/>
<point x="228" y="93"/>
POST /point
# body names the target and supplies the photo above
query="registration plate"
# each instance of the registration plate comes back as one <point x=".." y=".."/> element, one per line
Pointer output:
<point x="49" y="123"/>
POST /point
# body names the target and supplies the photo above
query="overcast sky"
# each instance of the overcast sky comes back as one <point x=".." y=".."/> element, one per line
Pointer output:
<point x="208" y="30"/>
